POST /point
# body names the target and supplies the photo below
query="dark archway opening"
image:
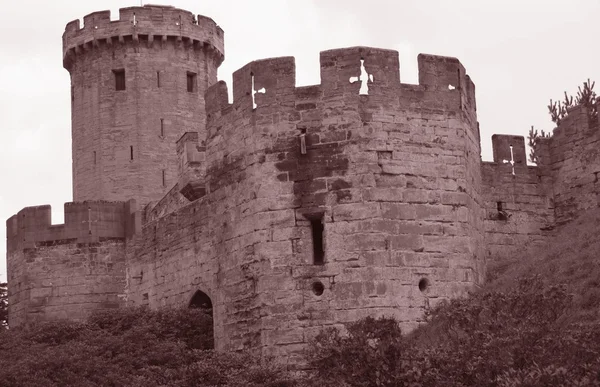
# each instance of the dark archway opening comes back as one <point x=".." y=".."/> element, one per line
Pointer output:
<point x="202" y="301"/>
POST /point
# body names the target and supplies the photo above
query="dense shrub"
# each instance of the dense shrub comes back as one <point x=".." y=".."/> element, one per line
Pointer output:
<point x="517" y="338"/>
<point x="370" y="353"/>
<point x="129" y="347"/>
<point x="521" y="337"/>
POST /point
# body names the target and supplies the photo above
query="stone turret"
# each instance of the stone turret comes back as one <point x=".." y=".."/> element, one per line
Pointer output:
<point x="137" y="85"/>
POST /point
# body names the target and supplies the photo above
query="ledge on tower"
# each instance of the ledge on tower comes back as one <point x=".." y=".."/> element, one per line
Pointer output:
<point x="192" y="166"/>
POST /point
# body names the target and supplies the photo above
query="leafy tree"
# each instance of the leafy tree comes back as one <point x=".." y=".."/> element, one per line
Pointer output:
<point x="558" y="110"/>
<point x="532" y="140"/>
<point x="3" y="305"/>
<point x="586" y="96"/>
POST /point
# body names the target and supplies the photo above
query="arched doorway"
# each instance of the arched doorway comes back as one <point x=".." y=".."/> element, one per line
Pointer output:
<point x="202" y="301"/>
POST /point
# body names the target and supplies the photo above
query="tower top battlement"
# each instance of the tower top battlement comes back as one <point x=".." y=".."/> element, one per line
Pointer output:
<point x="270" y="83"/>
<point x="150" y="22"/>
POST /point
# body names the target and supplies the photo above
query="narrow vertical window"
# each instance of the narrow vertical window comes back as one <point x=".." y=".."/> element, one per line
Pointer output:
<point x="94" y="157"/>
<point x="316" y="225"/>
<point x="164" y="178"/>
<point x="119" y="79"/>
<point x="191" y="82"/>
<point x="158" y="79"/>
<point x="131" y="152"/>
<point x="162" y="127"/>
<point x="72" y="94"/>
<point x="499" y="206"/>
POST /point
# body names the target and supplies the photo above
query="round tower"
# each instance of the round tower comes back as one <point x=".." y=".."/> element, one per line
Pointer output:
<point x="137" y="85"/>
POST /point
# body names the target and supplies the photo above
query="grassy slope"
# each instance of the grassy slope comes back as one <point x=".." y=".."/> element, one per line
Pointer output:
<point x="572" y="257"/>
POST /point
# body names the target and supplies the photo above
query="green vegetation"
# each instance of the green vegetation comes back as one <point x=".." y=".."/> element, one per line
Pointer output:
<point x="3" y="305"/>
<point x="585" y="96"/>
<point x="558" y="110"/>
<point x="134" y="347"/>
<point x="535" y="323"/>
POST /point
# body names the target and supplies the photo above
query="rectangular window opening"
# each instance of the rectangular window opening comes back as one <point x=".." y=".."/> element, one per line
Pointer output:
<point x="191" y="82"/>
<point x="317" y="227"/>
<point x="94" y="157"/>
<point x="499" y="206"/>
<point x="72" y="94"/>
<point x="158" y="79"/>
<point x="131" y="152"/>
<point x="164" y="178"/>
<point x="119" y="79"/>
<point x="162" y="127"/>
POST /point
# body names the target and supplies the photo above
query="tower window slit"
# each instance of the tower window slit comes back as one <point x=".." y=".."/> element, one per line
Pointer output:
<point x="164" y="178"/>
<point x="191" y="82"/>
<point x="119" y="79"/>
<point x="158" y="79"/>
<point x="131" y="152"/>
<point x="162" y="127"/>
<point x="94" y="157"/>
<point x="317" y="228"/>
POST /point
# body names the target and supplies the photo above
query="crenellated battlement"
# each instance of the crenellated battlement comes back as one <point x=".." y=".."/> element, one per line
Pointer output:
<point x="294" y="207"/>
<point x="149" y="23"/>
<point x="85" y="222"/>
<point x="346" y="73"/>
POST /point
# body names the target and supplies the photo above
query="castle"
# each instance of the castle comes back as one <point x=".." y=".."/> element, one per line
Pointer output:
<point x="289" y="209"/>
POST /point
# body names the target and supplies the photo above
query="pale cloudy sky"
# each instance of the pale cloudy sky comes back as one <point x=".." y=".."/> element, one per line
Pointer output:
<point x="519" y="53"/>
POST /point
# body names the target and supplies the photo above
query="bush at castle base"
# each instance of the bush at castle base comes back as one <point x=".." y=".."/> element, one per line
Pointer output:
<point x="127" y="348"/>
<point x="523" y="337"/>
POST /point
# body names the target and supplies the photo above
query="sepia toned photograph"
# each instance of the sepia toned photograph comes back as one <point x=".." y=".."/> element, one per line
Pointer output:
<point x="299" y="193"/>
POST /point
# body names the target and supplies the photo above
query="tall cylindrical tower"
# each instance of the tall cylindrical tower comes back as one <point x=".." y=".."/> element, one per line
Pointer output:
<point x="137" y="84"/>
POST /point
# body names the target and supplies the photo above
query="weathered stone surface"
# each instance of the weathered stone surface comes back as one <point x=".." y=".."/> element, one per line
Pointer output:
<point x="292" y="208"/>
<point x="124" y="141"/>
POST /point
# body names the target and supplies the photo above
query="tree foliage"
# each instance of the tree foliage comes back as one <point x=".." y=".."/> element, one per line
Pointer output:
<point x="3" y="305"/>
<point x="586" y="96"/>
<point x="130" y="347"/>
<point x="533" y="139"/>
<point x="517" y="338"/>
<point x="559" y="110"/>
<point x="525" y="336"/>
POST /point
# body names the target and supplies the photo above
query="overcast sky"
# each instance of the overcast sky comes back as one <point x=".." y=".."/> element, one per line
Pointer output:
<point x="519" y="53"/>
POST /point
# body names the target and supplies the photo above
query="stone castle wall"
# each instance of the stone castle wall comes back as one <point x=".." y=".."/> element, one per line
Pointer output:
<point x="396" y="185"/>
<point x="571" y="159"/>
<point x="291" y="208"/>
<point x="124" y="140"/>
<point x="517" y="199"/>
<point x="70" y="269"/>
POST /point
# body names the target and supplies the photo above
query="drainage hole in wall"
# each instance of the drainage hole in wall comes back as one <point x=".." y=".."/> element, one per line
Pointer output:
<point x="318" y="288"/>
<point x="423" y="284"/>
